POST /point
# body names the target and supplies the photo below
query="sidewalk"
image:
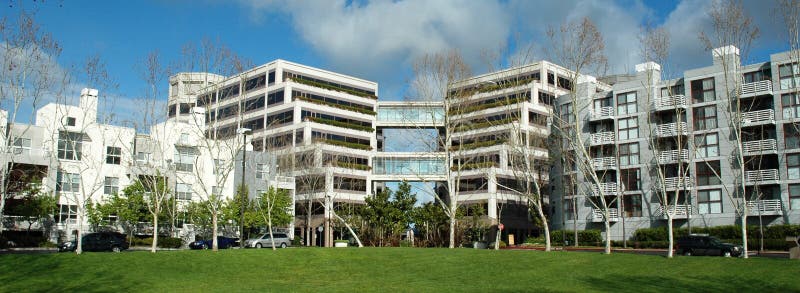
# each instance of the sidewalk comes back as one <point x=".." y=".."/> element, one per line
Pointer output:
<point x="650" y="251"/>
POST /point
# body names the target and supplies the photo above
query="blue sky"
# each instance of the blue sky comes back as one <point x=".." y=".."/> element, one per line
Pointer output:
<point x="374" y="40"/>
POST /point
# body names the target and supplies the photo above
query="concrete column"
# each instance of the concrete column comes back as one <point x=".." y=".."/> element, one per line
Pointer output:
<point x="492" y="209"/>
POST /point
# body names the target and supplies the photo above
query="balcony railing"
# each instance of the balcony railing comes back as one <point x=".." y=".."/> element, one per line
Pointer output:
<point x="759" y="146"/>
<point x="680" y="211"/>
<point x="761" y="175"/>
<point x="668" y="103"/>
<point x="602" y="138"/>
<point x="764" y="207"/>
<point x="613" y="215"/>
<point x="753" y="88"/>
<point x="602" y="113"/>
<point x="758" y="117"/>
<point x="673" y="156"/>
<point x="672" y="129"/>
<point x="672" y="183"/>
<point x="604" y="163"/>
<point x="605" y="189"/>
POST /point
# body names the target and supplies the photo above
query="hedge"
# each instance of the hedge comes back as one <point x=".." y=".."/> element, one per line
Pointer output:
<point x="585" y="237"/>
<point x="163" y="242"/>
<point x="340" y="106"/>
<point x="341" y="124"/>
<point x="721" y="232"/>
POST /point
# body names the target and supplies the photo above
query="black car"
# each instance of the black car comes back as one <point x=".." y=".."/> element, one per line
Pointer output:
<point x="99" y="241"/>
<point x="701" y="244"/>
<point x="222" y="243"/>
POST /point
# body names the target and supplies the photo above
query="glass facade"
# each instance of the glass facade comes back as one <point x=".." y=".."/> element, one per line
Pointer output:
<point x="418" y="114"/>
<point x="408" y="166"/>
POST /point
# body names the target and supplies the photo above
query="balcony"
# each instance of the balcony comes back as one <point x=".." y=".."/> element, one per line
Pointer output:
<point x="756" y="147"/>
<point x="759" y="117"/>
<point x="681" y="211"/>
<point x="761" y="176"/>
<point x="672" y="129"/>
<point x="602" y="138"/>
<point x="597" y="215"/>
<point x="673" y="156"/>
<point x="604" y="163"/>
<point x="764" y="207"/>
<point x="673" y="183"/>
<point x="605" y="189"/>
<point x="758" y="88"/>
<point x="669" y="103"/>
<point x="602" y="113"/>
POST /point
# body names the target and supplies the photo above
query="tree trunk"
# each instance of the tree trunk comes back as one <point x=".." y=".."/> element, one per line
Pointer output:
<point x="744" y="231"/>
<point x="2" y="199"/>
<point x="452" y="228"/>
<point x="269" y="226"/>
<point x="546" y="228"/>
<point x="349" y="229"/>
<point x="79" y="240"/>
<point x="155" y="233"/>
<point x="608" y="235"/>
<point x="214" y="244"/>
<point x="670" y="236"/>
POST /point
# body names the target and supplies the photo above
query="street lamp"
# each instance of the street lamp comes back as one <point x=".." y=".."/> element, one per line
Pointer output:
<point x="244" y="132"/>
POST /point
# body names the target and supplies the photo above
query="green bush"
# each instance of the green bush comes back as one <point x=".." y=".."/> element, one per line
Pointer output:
<point x="405" y="243"/>
<point x="297" y="241"/>
<point x="163" y="242"/>
<point x="774" y="236"/>
<point x="585" y="237"/>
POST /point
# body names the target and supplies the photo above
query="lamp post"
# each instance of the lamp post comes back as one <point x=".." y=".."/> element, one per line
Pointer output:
<point x="244" y="132"/>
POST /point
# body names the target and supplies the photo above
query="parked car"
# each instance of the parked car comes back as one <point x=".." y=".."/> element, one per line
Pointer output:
<point x="99" y="241"/>
<point x="222" y="242"/>
<point x="701" y="244"/>
<point x="281" y="240"/>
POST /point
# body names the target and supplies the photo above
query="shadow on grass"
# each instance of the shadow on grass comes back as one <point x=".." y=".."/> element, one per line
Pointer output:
<point x="690" y="283"/>
<point x="60" y="273"/>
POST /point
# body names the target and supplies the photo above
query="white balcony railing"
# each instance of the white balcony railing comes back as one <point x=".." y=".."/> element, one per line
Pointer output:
<point x="284" y="179"/>
<point x="602" y="138"/>
<point x="604" y="163"/>
<point x="603" y="113"/>
<point x="673" y="156"/>
<point x="613" y="215"/>
<point x="761" y="175"/>
<point x="605" y="189"/>
<point x="759" y="146"/>
<point x="672" y="183"/>
<point x="671" y="129"/>
<point x="759" y="116"/>
<point x="764" y="206"/>
<point x="752" y="88"/>
<point x="670" y="102"/>
<point x="677" y="211"/>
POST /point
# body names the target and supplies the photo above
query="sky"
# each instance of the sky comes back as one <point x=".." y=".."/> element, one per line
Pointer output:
<point x="373" y="40"/>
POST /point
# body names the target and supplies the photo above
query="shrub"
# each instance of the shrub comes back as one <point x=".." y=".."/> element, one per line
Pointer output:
<point x="585" y="237"/>
<point x="405" y="243"/>
<point x="169" y="242"/>
<point x="297" y="241"/>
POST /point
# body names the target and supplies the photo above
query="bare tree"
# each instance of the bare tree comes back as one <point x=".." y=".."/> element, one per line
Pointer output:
<point x="578" y="46"/>
<point x="732" y="26"/>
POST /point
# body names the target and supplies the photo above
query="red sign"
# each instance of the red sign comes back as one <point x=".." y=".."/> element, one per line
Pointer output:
<point x="500" y="226"/>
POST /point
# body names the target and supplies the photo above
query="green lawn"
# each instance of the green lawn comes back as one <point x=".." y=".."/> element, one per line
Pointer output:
<point x="390" y="270"/>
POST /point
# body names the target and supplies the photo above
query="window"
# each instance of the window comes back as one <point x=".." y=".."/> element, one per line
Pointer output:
<point x="67" y="212"/>
<point x="756" y="76"/>
<point x="629" y="154"/>
<point x="793" y="166"/>
<point x="703" y="90"/>
<point x="672" y="91"/>
<point x="184" y="159"/>
<point x="709" y="201"/>
<point x="631" y="178"/>
<point x="70" y="121"/>
<point x="111" y="186"/>
<point x="68" y="182"/>
<point x="633" y="205"/>
<point x="142" y="157"/>
<point x="791" y="135"/>
<point x="70" y="145"/>
<point x="708" y="173"/>
<point x="705" y="118"/>
<point x="262" y="171"/>
<point x="789" y="76"/>
<point x="794" y="196"/>
<point x="626" y="103"/>
<point x="568" y="114"/>
<point x="183" y="191"/>
<point x="790" y="103"/>
<point x="184" y="139"/>
<point x="628" y="128"/>
<point x="707" y="145"/>
<point x="216" y="190"/>
<point x="22" y="146"/>
<point x="113" y="155"/>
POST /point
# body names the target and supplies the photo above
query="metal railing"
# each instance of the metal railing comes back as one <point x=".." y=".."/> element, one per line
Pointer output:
<point x="673" y="156"/>
<point x="672" y="183"/>
<point x="597" y="215"/>
<point x="677" y="211"/>
<point x="604" y="163"/>
<point x="603" y="112"/>
<point x="764" y="206"/>
<point x="761" y="175"/>
<point x="751" y="88"/>
<point x="605" y="189"/>
<point x="671" y="129"/>
<point x="669" y="102"/>
<point x="767" y="115"/>
<point x="759" y="146"/>
<point x="602" y="138"/>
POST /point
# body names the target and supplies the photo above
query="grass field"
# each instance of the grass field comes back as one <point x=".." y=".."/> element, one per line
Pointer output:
<point x="391" y="270"/>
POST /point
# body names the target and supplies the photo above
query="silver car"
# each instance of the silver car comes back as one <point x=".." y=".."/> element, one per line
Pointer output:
<point x="281" y="240"/>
